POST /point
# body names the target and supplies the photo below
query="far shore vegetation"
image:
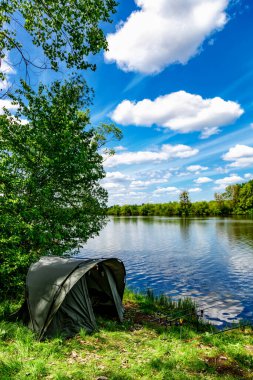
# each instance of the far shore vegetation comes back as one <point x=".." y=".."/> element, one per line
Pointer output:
<point x="236" y="200"/>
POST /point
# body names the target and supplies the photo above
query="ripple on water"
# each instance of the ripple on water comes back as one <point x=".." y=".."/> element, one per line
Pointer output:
<point x="210" y="260"/>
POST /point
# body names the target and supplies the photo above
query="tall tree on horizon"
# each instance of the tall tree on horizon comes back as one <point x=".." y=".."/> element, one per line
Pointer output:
<point x="185" y="203"/>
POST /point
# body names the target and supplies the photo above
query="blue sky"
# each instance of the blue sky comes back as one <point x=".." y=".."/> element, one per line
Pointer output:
<point x="177" y="80"/>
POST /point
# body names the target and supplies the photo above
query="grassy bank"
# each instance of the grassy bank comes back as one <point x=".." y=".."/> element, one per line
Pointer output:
<point x="146" y="346"/>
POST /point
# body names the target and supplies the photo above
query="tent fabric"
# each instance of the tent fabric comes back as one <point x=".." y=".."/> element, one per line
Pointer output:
<point x="115" y="295"/>
<point x="63" y="294"/>
<point x="75" y="313"/>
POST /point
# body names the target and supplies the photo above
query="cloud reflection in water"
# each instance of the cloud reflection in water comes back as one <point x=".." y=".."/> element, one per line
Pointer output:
<point x="207" y="259"/>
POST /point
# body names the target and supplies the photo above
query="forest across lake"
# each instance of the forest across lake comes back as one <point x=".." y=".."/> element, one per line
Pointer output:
<point x="235" y="200"/>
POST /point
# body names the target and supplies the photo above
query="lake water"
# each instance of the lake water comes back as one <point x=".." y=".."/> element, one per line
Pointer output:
<point x="210" y="260"/>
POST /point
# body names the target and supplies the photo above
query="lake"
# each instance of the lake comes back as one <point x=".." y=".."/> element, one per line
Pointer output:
<point x="210" y="260"/>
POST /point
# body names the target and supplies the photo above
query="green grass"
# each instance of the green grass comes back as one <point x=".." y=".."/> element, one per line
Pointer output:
<point x="143" y="347"/>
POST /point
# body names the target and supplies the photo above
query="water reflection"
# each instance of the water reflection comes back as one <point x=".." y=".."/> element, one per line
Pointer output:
<point x="185" y="228"/>
<point x="238" y="231"/>
<point x="208" y="259"/>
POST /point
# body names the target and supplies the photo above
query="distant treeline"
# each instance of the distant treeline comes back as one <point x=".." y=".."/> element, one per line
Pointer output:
<point x="236" y="200"/>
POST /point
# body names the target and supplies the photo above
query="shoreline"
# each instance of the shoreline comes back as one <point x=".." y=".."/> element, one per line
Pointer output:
<point x="142" y="347"/>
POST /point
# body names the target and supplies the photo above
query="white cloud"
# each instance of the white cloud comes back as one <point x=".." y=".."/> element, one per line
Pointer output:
<point x="163" y="32"/>
<point x="5" y="84"/>
<point x="116" y="181"/>
<point x="182" y="174"/>
<point x="137" y="193"/>
<point x="117" y="176"/>
<point x="119" y="148"/>
<point x="6" y="69"/>
<point x="164" y="190"/>
<point x="203" y="180"/>
<point x="196" y="168"/>
<point x="223" y="182"/>
<point x="233" y="178"/>
<point x="167" y="152"/>
<point x="154" y="174"/>
<point x="6" y="103"/>
<point x="241" y="155"/>
<point x="179" y="111"/>
<point x="112" y="185"/>
<point x="147" y="178"/>
<point x="138" y="183"/>
<point x="118" y="195"/>
<point x="129" y="188"/>
<point x="248" y="176"/>
<point x="242" y="162"/>
<point x="238" y="151"/>
<point x="195" y="190"/>
<point x="221" y="170"/>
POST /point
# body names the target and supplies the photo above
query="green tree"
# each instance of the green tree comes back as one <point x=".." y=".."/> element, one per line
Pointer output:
<point x="245" y="202"/>
<point x="200" y="208"/>
<point x="134" y="210"/>
<point x="67" y="31"/>
<point x="125" y="210"/>
<point x="185" y="203"/>
<point x="147" y="209"/>
<point x="51" y="197"/>
<point x="231" y="195"/>
<point x="214" y="209"/>
<point x="222" y="207"/>
<point x="114" y="210"/>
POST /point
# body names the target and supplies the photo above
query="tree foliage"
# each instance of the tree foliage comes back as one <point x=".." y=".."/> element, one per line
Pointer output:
<point x="244" y="204"/>
<point x="185" y="203"/>
<point x="67" y="31"/>
<point x="51" y="197"/>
